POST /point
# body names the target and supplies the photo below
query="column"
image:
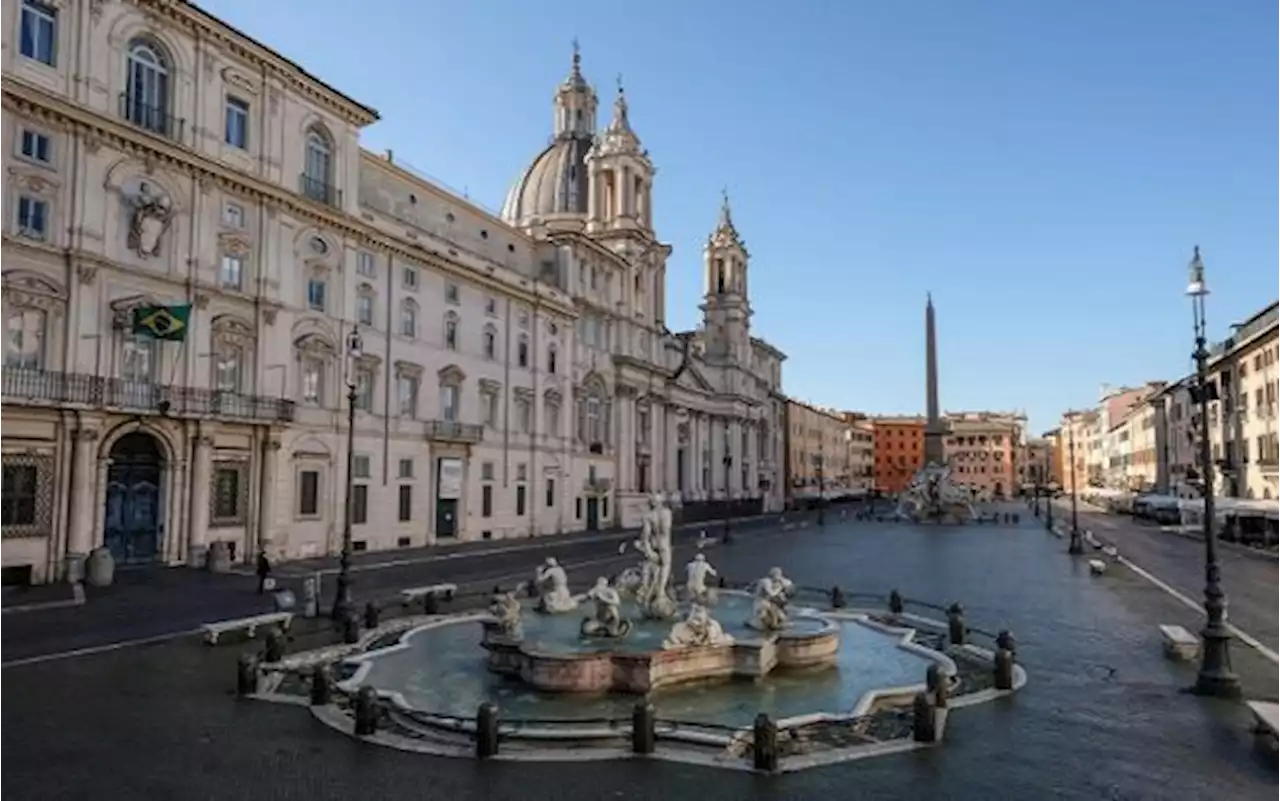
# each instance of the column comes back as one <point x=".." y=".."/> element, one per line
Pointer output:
<point x="198" y="544"/>
<point x="627" y="447"/>
<point x="84" y="500"/>
<point x="752" y="460"/>
<point x="739" y="458"/>
<point x="267" y="503"/>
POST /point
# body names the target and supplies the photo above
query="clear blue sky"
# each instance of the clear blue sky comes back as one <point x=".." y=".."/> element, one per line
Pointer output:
<point x="1042" y="166"/>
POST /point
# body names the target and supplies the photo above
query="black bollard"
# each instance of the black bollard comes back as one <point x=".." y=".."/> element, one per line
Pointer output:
<point x="1004" y="669"/>
<point x="936" y="681"/>
<point x="351" y="628"/>
<point x="1016" y="518"/>
<point x="247" y="675"/>
<point x="723" y="582"/>
<point x="487" y="730"/>
<point x="924" y="727"/>
<point x="371" y="615"/>
<point x="1006" y="641"/>
<point x="431" y="604"/>
<point x="955" y="624"/>
<point x="273" y="646"/>
<point x="366" y="711"/>
<point x="765" y="744"/>
<point x="644" y="737"/>
<point x="895" y="603"/>
<point x="321" y="685"/>
<point x="837" y="597"/>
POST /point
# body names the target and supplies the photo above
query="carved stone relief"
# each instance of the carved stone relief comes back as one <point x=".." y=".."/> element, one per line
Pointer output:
<point x="152" y="213"/>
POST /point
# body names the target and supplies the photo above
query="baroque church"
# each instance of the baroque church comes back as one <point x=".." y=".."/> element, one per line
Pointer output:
<point x="699" y="414"/>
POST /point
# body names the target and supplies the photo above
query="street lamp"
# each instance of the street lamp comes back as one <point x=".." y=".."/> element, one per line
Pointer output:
<point x="342" y="599"/>
<point x="1216" y="676"/>
<point x="728" y="488"/>
<point x="1077" y="545"/>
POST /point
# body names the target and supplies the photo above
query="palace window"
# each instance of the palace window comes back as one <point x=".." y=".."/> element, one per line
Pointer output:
<point x="39" y="32"/>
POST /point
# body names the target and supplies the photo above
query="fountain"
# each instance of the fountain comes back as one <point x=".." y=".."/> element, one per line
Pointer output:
<point x="629" y="645"/>
<point x="932" y="496"/>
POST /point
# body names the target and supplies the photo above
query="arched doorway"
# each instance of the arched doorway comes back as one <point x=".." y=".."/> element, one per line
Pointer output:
<point x="132" y="528"/>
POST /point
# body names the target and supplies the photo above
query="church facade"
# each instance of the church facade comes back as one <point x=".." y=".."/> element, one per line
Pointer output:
<point x="510" y="376"/>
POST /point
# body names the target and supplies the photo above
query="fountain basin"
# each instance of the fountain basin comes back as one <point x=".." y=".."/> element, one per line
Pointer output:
<point x="639" y="664"/>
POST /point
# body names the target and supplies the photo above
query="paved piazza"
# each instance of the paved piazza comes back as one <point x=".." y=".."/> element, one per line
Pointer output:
<point x="1102" y="717"/>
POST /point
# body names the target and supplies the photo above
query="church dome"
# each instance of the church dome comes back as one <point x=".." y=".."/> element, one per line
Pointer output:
<point x="555" y="183"/>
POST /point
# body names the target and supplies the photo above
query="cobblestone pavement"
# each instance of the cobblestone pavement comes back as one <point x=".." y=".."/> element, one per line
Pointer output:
<point x="1103" y="717"/>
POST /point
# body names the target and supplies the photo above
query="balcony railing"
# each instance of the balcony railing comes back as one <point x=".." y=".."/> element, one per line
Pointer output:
<point x="155" y="119"/>
<point x="320" y="191"/>
<point x="453" y="431"/>
<point x="33" y="387"/>
<point x="599" y="486"/>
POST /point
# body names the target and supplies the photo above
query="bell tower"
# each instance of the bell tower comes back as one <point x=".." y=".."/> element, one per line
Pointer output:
<point x="725" y="308"/>
<point x="575" y="104"/>
<point x="621" y="176"/>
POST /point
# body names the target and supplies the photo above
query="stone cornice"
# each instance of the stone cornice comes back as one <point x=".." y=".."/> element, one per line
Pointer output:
<point x="30" y="101"/>
<point x="202" y="25"/>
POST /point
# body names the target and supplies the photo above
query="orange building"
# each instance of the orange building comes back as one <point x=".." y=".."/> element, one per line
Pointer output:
<point x="899" y="451"/>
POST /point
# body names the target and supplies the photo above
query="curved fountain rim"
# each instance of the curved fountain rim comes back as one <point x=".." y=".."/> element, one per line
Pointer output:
<point x="906" y="641"/>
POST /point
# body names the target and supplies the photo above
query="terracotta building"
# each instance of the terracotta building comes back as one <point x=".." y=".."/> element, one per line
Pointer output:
<point x="899" y="451"/>
<point x="982" y="449"/>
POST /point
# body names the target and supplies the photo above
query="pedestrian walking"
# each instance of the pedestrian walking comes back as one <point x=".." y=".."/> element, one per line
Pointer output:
<point x="264" y="573"/>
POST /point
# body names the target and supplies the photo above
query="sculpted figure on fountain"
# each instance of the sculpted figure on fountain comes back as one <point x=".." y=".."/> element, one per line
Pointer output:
<point x="553" y="589"/>
<point x="769" y="612"/>
<point x="698" y="630"/>
<point x="607" y="621"/>
<point x="696" y="574"/>
<point x="505" y="609"/>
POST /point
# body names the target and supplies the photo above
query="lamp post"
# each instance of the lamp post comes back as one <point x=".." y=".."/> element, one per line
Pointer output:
<point x="342" y="605"/>
<point x="1216" y="676"/>
<point x="822" y="484"/>
<point x="1077" y="545"/>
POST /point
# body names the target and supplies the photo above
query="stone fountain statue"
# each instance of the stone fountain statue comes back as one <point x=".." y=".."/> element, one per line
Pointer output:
<point x="932" y="496"/>
<point x="553" y="588"/>
<point x="698" y="630"/>
<point x="505" y="608"/>
<point x="769" y="612"/>
<point x="651" y="582"/>
<point x="607" y="621"/>
<point x="696" y="573"/>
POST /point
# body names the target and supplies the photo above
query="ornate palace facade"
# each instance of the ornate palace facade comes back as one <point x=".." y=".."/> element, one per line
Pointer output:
<point x="512" y="377"/>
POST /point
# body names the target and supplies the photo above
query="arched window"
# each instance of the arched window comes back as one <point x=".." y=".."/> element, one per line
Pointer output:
<point x="522" y="351"/>
<point x="317" y="171"/>
<point x="489" y="342"/>
<point x="409" y="319"/>
<point x="147" y="88"/>
<point x="552" y="353"/>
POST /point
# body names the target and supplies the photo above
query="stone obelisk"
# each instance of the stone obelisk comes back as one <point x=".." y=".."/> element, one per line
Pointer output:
<point x="934" y="430"/>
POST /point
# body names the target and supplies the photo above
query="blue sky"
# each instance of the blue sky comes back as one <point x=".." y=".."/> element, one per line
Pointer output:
<point x="1042" y="166"/>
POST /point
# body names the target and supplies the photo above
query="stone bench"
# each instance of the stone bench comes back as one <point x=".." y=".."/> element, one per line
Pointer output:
<point x="1179" y="643"/>
<point x="1266" y="718"/>
<point x="411" y="594"/>
<point x="249" y="625"/>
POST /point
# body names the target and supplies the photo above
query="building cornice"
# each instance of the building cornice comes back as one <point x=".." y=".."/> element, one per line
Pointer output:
<point x="200" y="24"/>
<point x="30" y="101"/>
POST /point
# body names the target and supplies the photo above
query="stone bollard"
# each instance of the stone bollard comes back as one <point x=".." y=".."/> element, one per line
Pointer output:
<point x="955" y="624"/>
<point x="366" y="711"/>
<point x="487" y="730"/>
<point x="895" y="603"/>
<point x="1006" y="641"/>
<point x="351" y="629"/>
<point x="837" y="597"/>
<point x="644" y="736"/>
<point x="936" y="681"/>
<point x="247" y="675"/>
<point x="371" y="615"/>
<point x="765" y="744"/>
<point x="1004" y="669"/>
<point x="430" y="604"/>
<point x="321" y="685"/>
<point x="273" y="646"/>
<point x="924" y="728"/>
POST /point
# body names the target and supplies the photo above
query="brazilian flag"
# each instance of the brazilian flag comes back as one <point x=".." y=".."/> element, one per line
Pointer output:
<point x="168" y="323"/>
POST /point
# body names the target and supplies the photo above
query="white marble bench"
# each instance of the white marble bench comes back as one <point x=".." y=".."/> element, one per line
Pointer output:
<point x="249" y="625"/>
<point x="1266" y="715"/>
<point x="1179" y="643"/>
<point x="411" y="594"/>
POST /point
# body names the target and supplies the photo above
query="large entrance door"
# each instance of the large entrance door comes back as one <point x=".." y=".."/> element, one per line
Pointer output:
<point x="448" y="491"/>
<point x="133" y="530"/>
<point x="593" y="514"/>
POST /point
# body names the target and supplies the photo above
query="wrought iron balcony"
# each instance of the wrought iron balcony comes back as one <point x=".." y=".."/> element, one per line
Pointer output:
<point x="319" y="190"/>
<point x="155" y="119"/>
<point x="25" y="386"/>
<point x="453" y="431"/>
